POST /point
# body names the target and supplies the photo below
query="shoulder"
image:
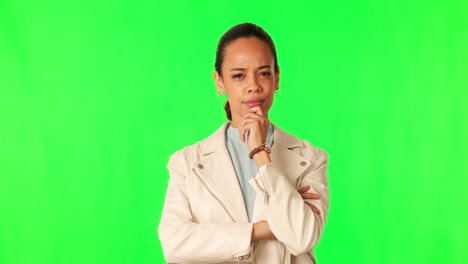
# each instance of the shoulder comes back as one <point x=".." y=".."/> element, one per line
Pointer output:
<point x="192" y="153"/>
<point x="314" y="153"/>
<point x="298" y="145"/>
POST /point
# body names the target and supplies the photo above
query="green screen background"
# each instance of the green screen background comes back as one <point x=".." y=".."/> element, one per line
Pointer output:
<point x="96" y="95"/>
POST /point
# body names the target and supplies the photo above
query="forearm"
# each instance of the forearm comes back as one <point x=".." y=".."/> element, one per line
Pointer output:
<point x="290" y="219"/>
<point x="192" y="242"/>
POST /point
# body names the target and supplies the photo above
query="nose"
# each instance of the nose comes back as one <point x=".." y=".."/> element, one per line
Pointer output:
<point x="254" y="86"/>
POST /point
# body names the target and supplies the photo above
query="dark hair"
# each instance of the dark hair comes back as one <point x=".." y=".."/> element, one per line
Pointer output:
<point x="239" y="31"/>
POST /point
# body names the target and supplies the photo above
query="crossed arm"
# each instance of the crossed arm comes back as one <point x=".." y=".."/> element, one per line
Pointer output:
<point x="261" y="230"/>
<point x="295" y="218"/>
<point x="291" y="212"/>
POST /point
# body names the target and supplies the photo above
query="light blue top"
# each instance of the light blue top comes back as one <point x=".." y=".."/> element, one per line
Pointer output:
<point x="245" y="167"/>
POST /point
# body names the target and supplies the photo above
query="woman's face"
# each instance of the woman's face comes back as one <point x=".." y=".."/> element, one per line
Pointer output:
<point x="248" y="76"/>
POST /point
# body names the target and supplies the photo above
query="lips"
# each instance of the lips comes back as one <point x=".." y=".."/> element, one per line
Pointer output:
<point x="253" y="102"/>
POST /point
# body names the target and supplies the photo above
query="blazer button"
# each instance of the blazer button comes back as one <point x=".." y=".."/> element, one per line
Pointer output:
<point x="303" y="163"/>
<point x="200" y="166"/>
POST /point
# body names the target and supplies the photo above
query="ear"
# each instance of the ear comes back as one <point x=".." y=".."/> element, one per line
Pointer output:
<point x="218" y="82"/>
<point x="277" y="78"/>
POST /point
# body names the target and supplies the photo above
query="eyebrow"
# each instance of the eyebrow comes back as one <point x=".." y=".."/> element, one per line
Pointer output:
<point x="259" y="68"/>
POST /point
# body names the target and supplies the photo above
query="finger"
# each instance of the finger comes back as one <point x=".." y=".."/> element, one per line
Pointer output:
<point x="250" y="118"/>
<point x="314" y="209"/>
<point x="254" y="109"/>
<point x="255" y="131"/>
<point x="254" y="115"/>
<point x="310" y="196"/>
<point x="257" y="110"/>
<point x="242" y="128"/>
<point x="304" y="189"/>
<point x="246" y="125"/>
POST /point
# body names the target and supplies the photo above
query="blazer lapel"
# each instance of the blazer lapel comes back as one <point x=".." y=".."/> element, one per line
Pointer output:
<point x="216" y="167"/>
<point x="291" y="164"/>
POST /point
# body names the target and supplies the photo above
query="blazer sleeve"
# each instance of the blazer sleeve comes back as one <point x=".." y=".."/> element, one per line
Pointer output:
<point x="184" y="240"/>
<point x="290" y="219"/>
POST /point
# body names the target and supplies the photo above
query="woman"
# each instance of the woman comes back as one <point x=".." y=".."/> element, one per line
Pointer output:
<point x="250" y="192"/>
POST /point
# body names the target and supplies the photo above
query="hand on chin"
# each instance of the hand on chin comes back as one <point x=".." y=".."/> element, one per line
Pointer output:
<point x="257" y="124"/>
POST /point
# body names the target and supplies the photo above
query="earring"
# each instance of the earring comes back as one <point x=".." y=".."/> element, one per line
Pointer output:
<point x="220" y="95"/>
<point x="277" y="91"/>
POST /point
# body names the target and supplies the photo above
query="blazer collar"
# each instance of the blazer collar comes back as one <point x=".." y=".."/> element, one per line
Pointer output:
<point x="217" y="140"/>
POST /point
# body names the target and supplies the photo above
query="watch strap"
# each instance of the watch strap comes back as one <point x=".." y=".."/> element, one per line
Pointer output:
<point x="264" y="146"/>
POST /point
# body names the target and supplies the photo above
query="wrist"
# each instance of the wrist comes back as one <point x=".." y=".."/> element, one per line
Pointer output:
<point x="262" y="158"/>
<point x="260" y="148"/>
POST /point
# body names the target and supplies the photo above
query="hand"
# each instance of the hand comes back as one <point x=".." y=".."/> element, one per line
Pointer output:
<point x="261" y="230"/>
<point x="305" y="195"/>
<point x="257" y="124"/>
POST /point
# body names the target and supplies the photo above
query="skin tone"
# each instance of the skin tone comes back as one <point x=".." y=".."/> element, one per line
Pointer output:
<point x="249" y="80"/>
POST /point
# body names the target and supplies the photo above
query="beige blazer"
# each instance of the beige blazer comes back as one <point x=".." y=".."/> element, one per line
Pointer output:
<point x="204" y="219"/>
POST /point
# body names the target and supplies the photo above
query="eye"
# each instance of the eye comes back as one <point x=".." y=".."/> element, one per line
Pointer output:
<point x="238" y="76"/>
<point x="265" y="73"/>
